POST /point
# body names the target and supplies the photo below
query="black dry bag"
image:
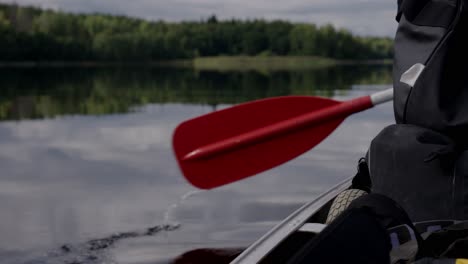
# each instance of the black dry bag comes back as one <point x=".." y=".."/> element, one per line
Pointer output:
<point x="430" y="66"/>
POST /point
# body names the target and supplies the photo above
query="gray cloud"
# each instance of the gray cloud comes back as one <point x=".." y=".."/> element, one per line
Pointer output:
<point x="364" y="17"/>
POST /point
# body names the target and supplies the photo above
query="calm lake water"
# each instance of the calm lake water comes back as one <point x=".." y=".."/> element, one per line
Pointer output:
<point x="87" y="169"/>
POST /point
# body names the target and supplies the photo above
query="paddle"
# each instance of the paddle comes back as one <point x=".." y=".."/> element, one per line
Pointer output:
<point x="231" y="144"/>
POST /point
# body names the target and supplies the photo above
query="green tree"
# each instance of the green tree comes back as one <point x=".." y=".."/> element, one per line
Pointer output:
<point x="4" y="22"/>
<point x="34" y="34"/>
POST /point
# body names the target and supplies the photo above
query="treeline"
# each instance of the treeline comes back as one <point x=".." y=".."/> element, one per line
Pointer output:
<point x="30" y="93"/>
<point x="32" y="34"/>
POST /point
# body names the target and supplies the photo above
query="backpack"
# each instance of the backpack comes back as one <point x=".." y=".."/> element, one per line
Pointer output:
<point x="430" y="74"/>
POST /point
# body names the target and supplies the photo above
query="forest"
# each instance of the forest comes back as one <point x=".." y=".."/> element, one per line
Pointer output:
<point x="33" y="34"/>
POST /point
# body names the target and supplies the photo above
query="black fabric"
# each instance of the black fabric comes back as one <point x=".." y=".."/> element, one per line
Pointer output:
<point x="433" y="33"/>
<point x="436" y="14"/>
<point x="362" y="180"/>
<point x="461" y="184"/>
<point x="414" y="166"/>
<point x="355" y="237"/>
<point x="458" y="249"/>
<point x="400" y="10"/>
<point x="439" y="98"/>
<point x="432" y="13"/>
<point x="388" y="212"/>
<point x="358" y="235"/>
<point x="411" y="8"/>
<point x="450" y="242"/>
<point x="412" y="45"/>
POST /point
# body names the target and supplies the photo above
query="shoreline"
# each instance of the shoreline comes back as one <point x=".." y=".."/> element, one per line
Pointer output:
<point x="91" y="64"/>
<point x="206" y="63"/>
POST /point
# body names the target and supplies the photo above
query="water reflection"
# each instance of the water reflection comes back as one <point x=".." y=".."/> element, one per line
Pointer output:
<point x="40" y="93"/>
<point x="70" y="180"/>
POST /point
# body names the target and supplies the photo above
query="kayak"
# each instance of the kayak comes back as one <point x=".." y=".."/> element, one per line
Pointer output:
<point x="288" y="240"/>
<point x="283" y="241"/>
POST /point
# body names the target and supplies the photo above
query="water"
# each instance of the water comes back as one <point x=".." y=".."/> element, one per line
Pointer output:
<point x="88" y="174"/>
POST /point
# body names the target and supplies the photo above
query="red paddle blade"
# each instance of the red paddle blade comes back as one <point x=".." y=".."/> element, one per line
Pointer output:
<point x="225" y="163"/>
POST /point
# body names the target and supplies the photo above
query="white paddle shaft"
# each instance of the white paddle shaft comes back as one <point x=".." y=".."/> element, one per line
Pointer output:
<point x="382" y="97"/>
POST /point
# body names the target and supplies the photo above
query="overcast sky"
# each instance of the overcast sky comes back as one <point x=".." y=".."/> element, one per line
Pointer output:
<point x="364" y="17"/>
